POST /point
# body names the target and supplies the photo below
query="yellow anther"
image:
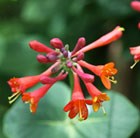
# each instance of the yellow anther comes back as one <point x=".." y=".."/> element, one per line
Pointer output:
<point x="112" y="79"/>
<point x="121" y="29"/>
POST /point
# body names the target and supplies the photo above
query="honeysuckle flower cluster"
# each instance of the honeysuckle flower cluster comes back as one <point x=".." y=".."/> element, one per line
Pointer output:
<point x="135" y="51"/>
<point x="66" y="63"/>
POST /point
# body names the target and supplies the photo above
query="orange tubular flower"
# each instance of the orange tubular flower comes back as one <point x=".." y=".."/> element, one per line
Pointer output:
<point x="20" y="85"/>
<point x="135" y="51"/>
<point x="34" y="97"/>
<point x="104" y="40"/>
<point x="97" y="96"/>
<point x="105" y="72"/>
<point x="78" y="103"/>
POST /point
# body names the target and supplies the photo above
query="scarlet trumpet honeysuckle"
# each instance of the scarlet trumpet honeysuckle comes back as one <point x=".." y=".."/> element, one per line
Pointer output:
<point x="20" y="85"/>
<point x="135" y="5"/>
<point x="34" y="97"/>
<point x="105" y="72"/>
<point x="65" y="63"/>
<point x="78" y="103"/>
<point x="97" y="96"/>
<point x="135" y="51"/>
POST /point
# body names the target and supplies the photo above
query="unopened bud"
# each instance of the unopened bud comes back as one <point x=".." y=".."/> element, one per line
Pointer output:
<point x="52" y="57"/>
<point x="39" y="47"/>
<point x="69" y="64"/>
<point x="84" y="76"/>
<point x="62" y="49"/>
<point x="80" y="44"/>
<point x="136" y="5"/>
<point x="42" y="59"/>
<point x="56" y="43"/>
<point x="65" y="53"/>
<point x="49" y="80"/>
<point x="80" y="56"/>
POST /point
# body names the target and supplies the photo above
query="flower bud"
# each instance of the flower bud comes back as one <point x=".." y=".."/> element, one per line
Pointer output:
<point x="48" y="80"/>
<point x="69" y="64"/>
<point x="52" y="57"/>
<point x="136" y="5"/>
<point x="65" y="53"/>
<point x="56" y="43"/>
<point x="80" y="56"/>
<point x="84" y="76"/>
<point x="39" y="47"/>
<point x="42" y="59"/>
<point x="80" y="44"/>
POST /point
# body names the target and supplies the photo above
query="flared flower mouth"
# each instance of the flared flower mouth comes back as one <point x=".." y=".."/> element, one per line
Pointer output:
<point x="14" y="84"/>
<point x="27" y="98"/>
<point x="97" y="101"/>
<point x="15" y="87"/>
<point x="77" y="107"/>
<point x="107" y="74"/>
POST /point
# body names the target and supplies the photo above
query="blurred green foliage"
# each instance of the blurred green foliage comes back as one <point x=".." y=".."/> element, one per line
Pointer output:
<point x="25" y="20"/>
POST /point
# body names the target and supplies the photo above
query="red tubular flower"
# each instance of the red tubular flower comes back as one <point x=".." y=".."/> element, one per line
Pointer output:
<point x="97" y="96"/>
<point x="104" y="40"/>
<point x="39" y="47"/>
<point x="135" y="5"/>
<point x="34" y="97"/>
<point x="78" y="103"/>
<point x="135" y="51"/>
<point x="105" y="72"/>
<point x="20" y="85"/>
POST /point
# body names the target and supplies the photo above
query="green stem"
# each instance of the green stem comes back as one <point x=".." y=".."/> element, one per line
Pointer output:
<point x="71" y="79"/>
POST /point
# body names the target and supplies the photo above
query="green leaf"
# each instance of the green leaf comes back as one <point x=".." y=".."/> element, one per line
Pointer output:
<point x="2" y="111"/>
<point x="50" y="120"/>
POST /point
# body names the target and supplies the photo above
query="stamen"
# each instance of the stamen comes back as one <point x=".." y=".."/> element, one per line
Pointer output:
<point x="136" y="61"/>
<point x="11" y="101"/>
<point x="31" y="108"/>
<point x="103" y="109"/>
<point x="80" y="113"/>
<point x="13" y="95"/>
<point x="112" y="79"/>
